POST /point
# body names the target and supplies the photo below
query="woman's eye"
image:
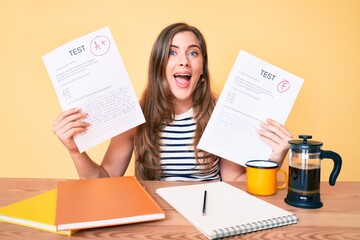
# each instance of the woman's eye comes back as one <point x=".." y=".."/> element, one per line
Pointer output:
<point x="194" y="54"/>
<point x="172" y="53"/>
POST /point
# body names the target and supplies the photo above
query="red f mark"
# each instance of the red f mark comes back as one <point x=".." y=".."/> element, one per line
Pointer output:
<point x="283" y="86"/>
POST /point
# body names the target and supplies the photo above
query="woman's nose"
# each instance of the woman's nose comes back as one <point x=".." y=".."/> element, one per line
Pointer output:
<point x="184" y="61"/>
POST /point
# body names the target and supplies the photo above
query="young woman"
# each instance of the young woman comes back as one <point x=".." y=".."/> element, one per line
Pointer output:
<point x="177" y="104"/>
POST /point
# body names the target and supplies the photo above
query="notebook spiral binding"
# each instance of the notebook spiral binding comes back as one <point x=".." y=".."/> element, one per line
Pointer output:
<point x="255" y="226"/>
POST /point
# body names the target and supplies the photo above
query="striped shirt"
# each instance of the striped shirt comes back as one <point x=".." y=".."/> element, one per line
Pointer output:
<point x="177" y="152"/>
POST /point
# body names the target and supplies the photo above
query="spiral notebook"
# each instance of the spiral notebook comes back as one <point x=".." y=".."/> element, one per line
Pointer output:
<point x="229" y="210"/>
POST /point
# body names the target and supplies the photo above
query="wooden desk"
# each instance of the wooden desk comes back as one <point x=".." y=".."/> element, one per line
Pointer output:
<point x="339" y="218"/>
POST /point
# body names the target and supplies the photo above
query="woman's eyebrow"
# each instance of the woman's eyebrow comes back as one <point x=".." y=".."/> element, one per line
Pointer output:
<point x="190" y="46"/>
<point x="194" y="45"/>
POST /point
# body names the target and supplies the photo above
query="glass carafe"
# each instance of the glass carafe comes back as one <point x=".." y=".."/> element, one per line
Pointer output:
<point x="304" y="172"/>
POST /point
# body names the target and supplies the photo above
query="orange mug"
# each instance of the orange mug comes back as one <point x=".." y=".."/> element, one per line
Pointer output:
<point x="262" y="177"/>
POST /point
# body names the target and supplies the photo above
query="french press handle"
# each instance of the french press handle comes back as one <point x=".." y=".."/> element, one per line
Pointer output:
<point x="337" y="164"/>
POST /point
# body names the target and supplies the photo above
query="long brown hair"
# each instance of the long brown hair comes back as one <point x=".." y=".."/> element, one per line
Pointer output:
<point x="156" y="103"/>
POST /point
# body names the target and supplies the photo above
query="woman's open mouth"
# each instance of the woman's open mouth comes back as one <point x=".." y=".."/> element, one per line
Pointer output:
<point x="182" y="80"/>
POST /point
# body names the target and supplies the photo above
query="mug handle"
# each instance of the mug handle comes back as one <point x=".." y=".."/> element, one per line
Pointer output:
<point x="285" y="181"/>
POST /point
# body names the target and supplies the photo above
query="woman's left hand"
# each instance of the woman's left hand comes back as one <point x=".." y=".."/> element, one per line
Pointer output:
<point x="277" y="137"/>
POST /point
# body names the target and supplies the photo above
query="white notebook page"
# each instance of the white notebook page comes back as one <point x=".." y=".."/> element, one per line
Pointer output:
<point x="226" y="208"/>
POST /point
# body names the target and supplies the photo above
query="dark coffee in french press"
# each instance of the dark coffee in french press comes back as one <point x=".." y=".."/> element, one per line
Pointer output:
<point x="304" y="172"/>
<point x="304" y="181"/>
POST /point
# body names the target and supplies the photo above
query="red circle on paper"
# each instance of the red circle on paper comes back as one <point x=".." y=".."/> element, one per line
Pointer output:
<point x="283" y="86"/>
<point x="100" y="45"/>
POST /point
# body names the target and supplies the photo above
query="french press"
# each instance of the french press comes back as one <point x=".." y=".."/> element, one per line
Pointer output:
<point x="304" y="172"/>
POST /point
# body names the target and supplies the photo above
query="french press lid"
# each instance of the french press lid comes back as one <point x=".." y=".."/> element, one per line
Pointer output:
<point x="305" y="144"/>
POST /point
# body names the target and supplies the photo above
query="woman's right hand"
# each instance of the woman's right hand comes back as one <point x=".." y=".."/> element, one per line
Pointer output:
<point x="68" y="124"/>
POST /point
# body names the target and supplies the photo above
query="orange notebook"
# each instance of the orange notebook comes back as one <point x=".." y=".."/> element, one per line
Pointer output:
<point x="104" y="202"/>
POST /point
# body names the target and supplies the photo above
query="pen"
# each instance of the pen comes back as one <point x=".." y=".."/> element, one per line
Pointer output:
<point x="204" y="204"/>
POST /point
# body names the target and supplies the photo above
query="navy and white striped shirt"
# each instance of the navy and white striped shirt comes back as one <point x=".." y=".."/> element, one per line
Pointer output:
<point x="177" y="152"/>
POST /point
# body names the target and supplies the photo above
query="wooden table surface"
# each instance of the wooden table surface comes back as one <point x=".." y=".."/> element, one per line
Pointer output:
<point x="339" y="218"/>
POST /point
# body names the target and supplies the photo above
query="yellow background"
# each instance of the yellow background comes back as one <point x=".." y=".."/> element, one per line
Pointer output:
<point x="316" y="40"/>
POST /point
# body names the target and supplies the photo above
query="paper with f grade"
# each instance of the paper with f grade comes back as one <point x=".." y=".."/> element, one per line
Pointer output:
<point x="255" y="90"/>
<point x="88" y="73"/>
